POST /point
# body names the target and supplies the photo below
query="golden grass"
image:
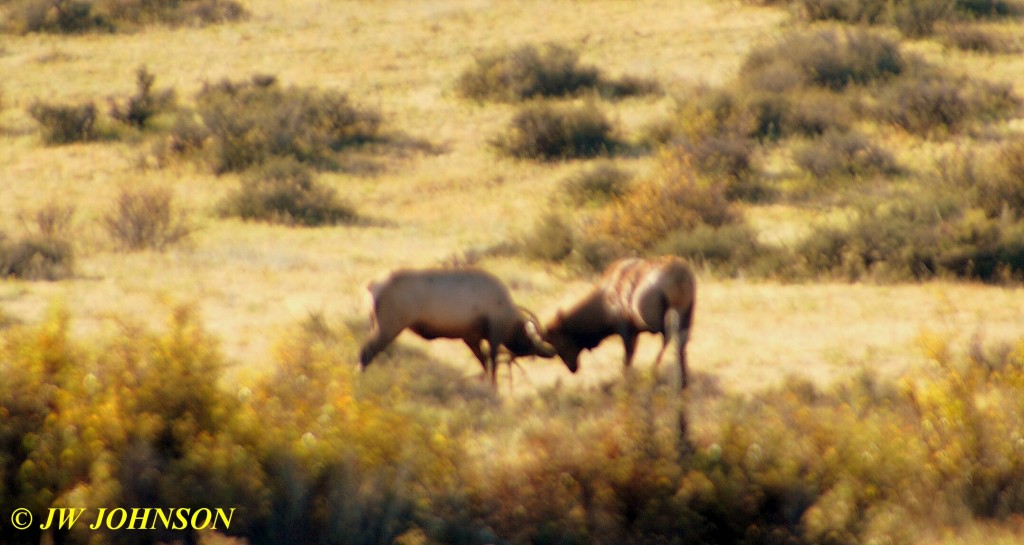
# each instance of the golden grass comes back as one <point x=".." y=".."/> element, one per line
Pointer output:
<point x="403" y="57"/>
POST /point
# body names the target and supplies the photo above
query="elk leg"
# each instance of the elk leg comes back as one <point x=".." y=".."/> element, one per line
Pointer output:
<point x="671" y="331"/>
<point x="476" y="345"/>
<point x="492" y="348"/>
<point x="684" y="337"/>
<point x="629" y="340"/>
<point x="373" y="346"/>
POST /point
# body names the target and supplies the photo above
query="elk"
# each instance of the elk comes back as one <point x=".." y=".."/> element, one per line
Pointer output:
<point x="633" y="296"/>
<point x="468" y="304"/>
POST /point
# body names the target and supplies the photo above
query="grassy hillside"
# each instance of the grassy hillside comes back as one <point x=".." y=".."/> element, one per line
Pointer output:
<point x="817" y="271"/>
<point x="440" y="194"/>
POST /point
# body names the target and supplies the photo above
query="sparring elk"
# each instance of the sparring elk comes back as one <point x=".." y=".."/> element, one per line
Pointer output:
<point x="468" y="304"/>
<point x="633" y="296"/>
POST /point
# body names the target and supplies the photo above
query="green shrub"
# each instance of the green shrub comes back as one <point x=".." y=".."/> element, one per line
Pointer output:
<point x="932" y="102"/>
<point x="285" y="191"/>
<point x="849" y="11"/>
<point x="728" y="248"/>
<point x="990" y="182"/>
<point x="918" y="18"/>
<point x="65" y="124"/>
<point x="146" y="218"/>
<point x="247" y="124"/>
<point x="526" y="72"/>
<point x="919" y="241"/>
<point x="969" y="37"/>
<point x="552" y="132"/>
<point x="988" y="8"/>
<point x="550" y="70"/>
<point x="842" y="154"/>
<point x="827" y="58"/>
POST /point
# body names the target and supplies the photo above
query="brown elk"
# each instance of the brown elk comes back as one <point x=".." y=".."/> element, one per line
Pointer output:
<point x="632" y="297"/>
<point x="468" y="304"/>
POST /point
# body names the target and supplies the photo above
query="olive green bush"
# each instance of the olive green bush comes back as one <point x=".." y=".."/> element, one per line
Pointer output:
<point x="552" y="132"/>
<point x="550" y="70"/>
<point x="66" y="123"/>
<point x="246" y="124"/>
<point x="914" y="18"/>
<point x="285" y="191"/>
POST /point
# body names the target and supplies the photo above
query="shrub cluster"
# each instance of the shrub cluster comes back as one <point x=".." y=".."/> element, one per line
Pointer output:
<point x="814" y="86"/>
<point x="914" y="18"/>
<point x="286" y="191"/>
<point x="840" y="154"/>
<point x="550" y="70"/>
<point x="245" y="124"/>
<point x="558" y="131"/>
<point x="80" y="16"/>
<point x="70" y="123"/>
<point x="409" y="452"/>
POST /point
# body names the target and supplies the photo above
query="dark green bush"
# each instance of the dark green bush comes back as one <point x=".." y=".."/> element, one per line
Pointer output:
<point x="549" y="70"/>
<point x="989" y="8"/>
<point x="558" y="131"/>
<point x="849" y="11"/>
<point x="65" y="124"/>
<point x="843" y="154"/>
<point x="285" y="191"/>
<point x="146" y="218"/>
<point x="914" y="18"/>
<point x="526" y="72"/>
<point x="915" y="242"/>
<point x="253" y="122"/>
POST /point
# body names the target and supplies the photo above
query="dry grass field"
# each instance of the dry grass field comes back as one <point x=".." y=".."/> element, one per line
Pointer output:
<point x="443" y="195"/>
<point x="403" y="58"/>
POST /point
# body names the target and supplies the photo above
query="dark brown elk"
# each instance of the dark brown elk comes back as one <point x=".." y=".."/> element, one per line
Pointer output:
<point x="633" y="296"/>
<point x="467" y="304"/>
